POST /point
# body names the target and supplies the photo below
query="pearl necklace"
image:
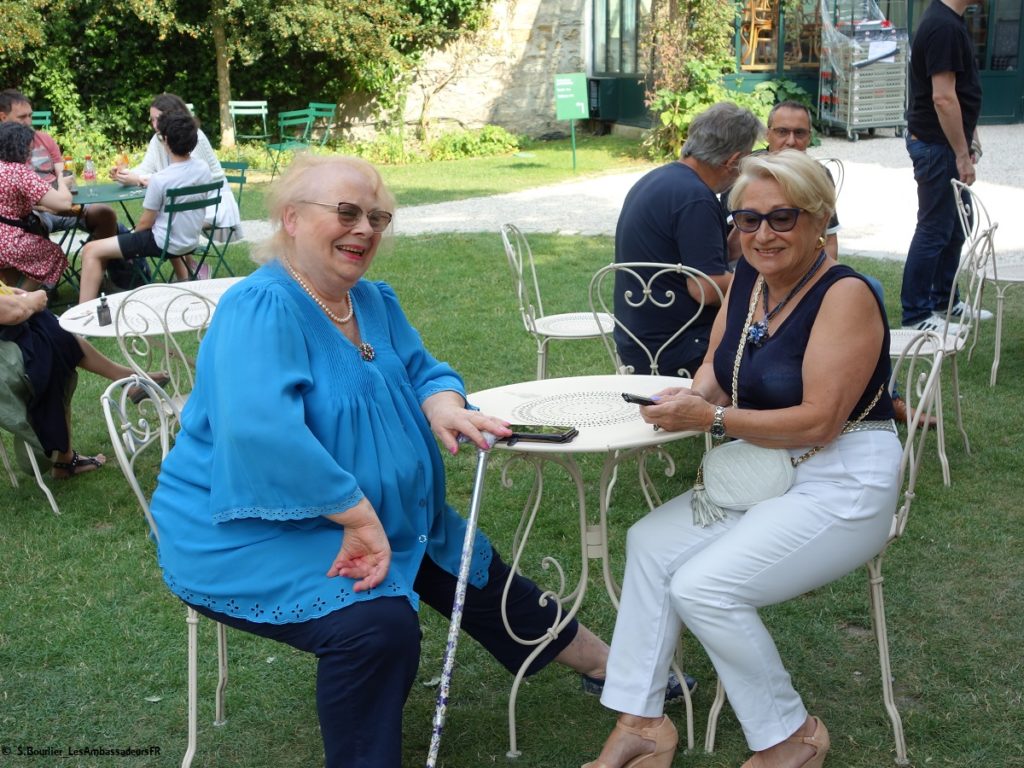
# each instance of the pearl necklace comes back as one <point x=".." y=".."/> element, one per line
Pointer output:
<point x="336" y="318"/>
<point x="365" y="349"/>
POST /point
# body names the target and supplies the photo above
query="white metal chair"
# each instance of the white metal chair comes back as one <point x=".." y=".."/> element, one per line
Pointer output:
<point x="836" y="170"/>
<point x="651" y="284"/>
<point x="30" y="456"/>
<point x="918" y="370"/>
<point x="135" y="427"/>
<point x="16" y="393"/>
<point x="974" y="219"/>
<point x="957" y="335"/>
<point x="544" y="328"/>
<point x="148" y="323"/>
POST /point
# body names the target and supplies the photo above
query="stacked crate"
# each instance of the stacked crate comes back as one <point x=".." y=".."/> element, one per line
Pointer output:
<point x="857" y="94"/>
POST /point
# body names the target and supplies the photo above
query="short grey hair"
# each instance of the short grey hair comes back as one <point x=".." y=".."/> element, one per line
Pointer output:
<point x="720" y="131"/>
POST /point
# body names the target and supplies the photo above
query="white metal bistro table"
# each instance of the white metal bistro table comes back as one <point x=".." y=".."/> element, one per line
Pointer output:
<point x="607" y="425"/>
<point x="160" y="298"/>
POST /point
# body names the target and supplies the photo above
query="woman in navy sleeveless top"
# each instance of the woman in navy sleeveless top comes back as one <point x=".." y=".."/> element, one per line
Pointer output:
<point x="814" y="358"/>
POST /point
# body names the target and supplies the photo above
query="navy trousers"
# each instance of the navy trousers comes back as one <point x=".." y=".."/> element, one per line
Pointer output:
<point x="368" y="653"/>
<point x="934" y="254"/>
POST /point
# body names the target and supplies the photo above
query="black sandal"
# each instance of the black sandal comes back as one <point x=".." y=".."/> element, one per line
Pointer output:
<point x="72" y="467"/>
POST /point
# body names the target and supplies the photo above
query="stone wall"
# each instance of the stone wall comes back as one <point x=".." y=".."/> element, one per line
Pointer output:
<point x="505" y="75"/>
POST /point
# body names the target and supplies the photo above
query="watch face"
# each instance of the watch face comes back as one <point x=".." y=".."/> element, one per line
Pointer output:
<point x="718" y="425"/>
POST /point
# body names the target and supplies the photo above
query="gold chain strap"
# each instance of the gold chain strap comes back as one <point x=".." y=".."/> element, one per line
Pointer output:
<point x="754" y="298"/>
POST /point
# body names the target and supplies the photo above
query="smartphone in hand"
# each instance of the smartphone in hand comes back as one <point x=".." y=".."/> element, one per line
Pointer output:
<point x="638" y="399"/>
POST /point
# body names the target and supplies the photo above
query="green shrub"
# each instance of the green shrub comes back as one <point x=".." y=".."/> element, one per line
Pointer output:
<point x="391" y="148"/>
<point x="482" y="142"/>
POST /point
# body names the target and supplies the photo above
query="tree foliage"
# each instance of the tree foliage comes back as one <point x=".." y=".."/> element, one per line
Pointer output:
<point x="97" y="63"/>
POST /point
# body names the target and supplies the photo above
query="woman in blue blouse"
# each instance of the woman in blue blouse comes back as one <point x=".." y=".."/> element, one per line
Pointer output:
<point x="304" y="499"/>
<point x="799" y="352"/>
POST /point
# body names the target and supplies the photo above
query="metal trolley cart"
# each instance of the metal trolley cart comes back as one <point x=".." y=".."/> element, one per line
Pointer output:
<point x="862" y="76"/>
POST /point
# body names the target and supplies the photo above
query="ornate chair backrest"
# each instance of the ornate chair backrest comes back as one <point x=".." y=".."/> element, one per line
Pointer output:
<point x="916" y="372"/>
<point x="970" y="278"/>
<point x="971" y="211"/>
<point x="835" y="169"/>
<point x="524" y="275"/>
<point x="139" y="414"/>
<point x="158" y="328"/>
<point x="648" y="283"/>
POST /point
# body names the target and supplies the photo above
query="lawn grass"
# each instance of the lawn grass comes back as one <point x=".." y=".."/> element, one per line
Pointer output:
<point x="92" y="645"/>
<point x="536" y="164"/>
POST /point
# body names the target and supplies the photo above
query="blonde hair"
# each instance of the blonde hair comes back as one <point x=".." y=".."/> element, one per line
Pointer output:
<point x="293" y="187"/>
<point x="804" y="181"/>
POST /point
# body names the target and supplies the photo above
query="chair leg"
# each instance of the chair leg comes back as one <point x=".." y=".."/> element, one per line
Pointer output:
<point x="39" y="476"/>
<point x="956" y="402"/>
<point x="542" y="358"/>
<point x="192" y="621"/>
<point x="689" y="704"/>
<point x="876" y="580"/>
<point x="1000" y="295"/>
<point x="713" y="713"/>
<point x="222" y="674"/>
<point x="7" y="464"/>
<point x="940" y="435"/>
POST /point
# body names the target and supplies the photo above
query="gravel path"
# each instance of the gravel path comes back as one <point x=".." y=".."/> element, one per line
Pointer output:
<point x="877" y="206"/>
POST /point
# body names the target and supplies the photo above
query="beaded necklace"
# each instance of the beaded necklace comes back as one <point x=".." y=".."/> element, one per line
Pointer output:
<point x="336" y="318"/>
<point x="366" y="350"/>
<point x="758" y="332"/>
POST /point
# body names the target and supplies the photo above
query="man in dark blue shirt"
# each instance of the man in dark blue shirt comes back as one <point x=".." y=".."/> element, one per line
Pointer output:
<point x="672" y="216"/>
<point x="942" y="139"/>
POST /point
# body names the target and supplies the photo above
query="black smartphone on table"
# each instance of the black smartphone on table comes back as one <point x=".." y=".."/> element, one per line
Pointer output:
<point x="638" y="399"/>
<point x="540" y="433"/>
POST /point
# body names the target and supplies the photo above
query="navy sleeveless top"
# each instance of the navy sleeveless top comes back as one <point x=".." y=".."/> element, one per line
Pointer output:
<point x="771" y="376"/>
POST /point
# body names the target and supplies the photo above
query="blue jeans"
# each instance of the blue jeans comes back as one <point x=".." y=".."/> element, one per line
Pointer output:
<point x="930" y="272"/>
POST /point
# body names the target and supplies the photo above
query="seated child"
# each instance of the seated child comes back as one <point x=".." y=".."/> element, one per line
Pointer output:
<point x="180" y="134"/>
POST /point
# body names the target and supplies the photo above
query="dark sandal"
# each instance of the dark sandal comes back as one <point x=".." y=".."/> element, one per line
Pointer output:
<point x="137" y="394"/>
<point x="77" y="461"/>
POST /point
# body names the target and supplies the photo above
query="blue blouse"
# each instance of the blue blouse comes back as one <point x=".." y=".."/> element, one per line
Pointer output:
<point x="287" y="423"/>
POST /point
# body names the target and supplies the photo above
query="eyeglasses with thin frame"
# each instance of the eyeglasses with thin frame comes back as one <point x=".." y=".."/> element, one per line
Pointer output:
<point x="798" y="133"/>
<point x="780" y="220"/>
<point x="350" y="214"/>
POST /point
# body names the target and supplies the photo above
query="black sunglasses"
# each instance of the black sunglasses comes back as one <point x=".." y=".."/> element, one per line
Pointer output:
<point x="780" y="220"/>
<point x="350" y="214"/>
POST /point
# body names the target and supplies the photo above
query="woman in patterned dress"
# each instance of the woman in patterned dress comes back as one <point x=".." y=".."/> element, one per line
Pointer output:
<point x="26" y="259"/>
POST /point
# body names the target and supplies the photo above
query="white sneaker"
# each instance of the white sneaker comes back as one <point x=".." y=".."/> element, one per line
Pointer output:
<point x="936" y="324"/>
<point x="960" y="308"/>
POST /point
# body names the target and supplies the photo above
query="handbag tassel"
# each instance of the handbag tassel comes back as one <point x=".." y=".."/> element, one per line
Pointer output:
<point x="705" y="511"/>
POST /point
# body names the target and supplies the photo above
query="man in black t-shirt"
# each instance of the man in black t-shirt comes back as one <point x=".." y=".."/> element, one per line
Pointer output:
<point x="942" y="139"/>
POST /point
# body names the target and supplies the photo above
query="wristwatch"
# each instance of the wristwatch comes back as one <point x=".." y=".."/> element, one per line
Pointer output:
<point x="718" y="424"/>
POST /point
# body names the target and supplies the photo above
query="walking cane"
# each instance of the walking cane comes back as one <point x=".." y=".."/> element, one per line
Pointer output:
<point x="441" y="709"/>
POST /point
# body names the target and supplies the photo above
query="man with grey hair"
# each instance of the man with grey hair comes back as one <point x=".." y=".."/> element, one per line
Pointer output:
<point x="672" y="216"/>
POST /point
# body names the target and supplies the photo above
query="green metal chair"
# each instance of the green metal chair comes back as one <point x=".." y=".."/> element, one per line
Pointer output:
<point x="41" y="118"/>
<point x="323" y="111"/>
<point x="294" y="129"/>
<point x="255" y="113"/>
<point x="182" y="199"/>
<point x="239" y="167"/>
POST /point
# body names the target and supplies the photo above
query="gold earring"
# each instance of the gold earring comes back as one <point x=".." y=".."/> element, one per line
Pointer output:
<point x="821" y="241"/>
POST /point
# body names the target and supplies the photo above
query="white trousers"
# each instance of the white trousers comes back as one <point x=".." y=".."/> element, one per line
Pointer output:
<point x="712" y="580"/>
